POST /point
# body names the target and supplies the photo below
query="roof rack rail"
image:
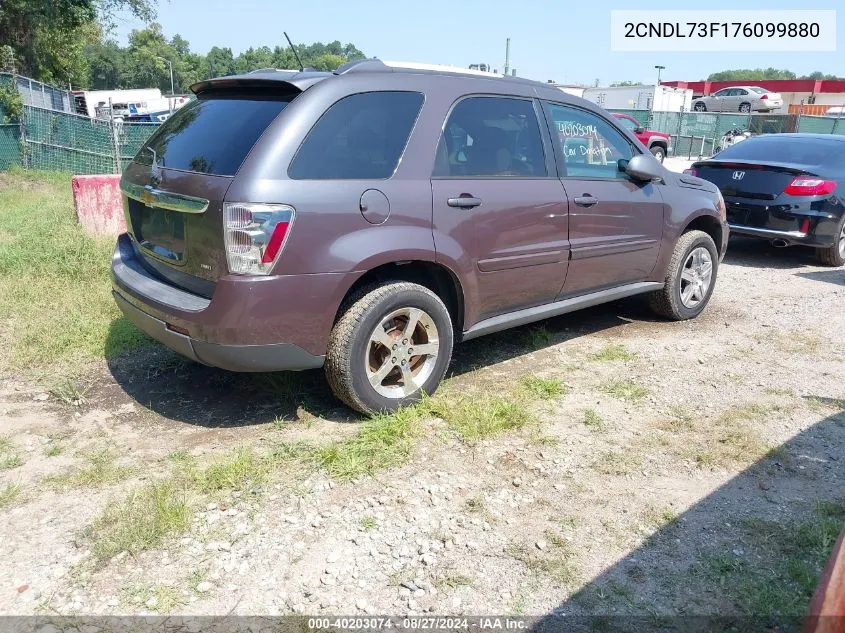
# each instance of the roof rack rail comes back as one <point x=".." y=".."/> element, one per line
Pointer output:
<point x="358" y="65"/>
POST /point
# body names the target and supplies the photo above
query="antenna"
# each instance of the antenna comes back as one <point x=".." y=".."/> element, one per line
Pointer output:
<point x="293" y="50"/>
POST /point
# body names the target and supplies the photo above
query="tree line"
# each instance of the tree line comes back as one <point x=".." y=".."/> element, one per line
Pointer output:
<point x="67" y="43"/>
<point x="763" y="74"/>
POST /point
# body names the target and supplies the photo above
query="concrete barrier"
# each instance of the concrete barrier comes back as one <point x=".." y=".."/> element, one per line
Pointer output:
<point x="99" y="206"/>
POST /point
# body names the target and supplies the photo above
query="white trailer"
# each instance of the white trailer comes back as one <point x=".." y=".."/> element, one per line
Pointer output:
<point x="641" y="97"/>
<point x="88" y="101"/>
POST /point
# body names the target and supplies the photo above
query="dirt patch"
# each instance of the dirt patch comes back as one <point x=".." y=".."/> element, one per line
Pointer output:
<point x="657" y="469"/>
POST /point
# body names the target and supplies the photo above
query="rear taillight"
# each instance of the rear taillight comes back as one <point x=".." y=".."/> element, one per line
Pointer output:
<point x="764" y="97"/>
<point x="254" y="235"/>
<point x="809" y="186"/>
<point x="691" y="171"/>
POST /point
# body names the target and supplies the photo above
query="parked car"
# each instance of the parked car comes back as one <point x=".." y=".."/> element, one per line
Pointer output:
<point x="739" y="99"/>
<point x="783" y="188"/>
<point x="365" y="220"/>
<point x="658" y="143"/>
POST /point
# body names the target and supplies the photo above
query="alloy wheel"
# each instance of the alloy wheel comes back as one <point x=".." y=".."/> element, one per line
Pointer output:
<point x="402" y="352"/>
<point x="696" y="277"/>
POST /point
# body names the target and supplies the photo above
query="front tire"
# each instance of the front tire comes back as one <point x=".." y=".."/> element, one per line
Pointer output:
<point x="658" y="152"/>
<point x="835" y="255"/>
<point x="392" y="344"/>
<point x="699" y="107"/>
<point x="745" y="108"/>
<point x="690" y="278"/>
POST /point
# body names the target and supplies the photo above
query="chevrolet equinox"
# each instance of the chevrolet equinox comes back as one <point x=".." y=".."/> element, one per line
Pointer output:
<point x="367" y="219"/>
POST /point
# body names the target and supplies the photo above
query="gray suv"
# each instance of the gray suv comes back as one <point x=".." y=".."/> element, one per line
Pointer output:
<point x="366" y="220"/>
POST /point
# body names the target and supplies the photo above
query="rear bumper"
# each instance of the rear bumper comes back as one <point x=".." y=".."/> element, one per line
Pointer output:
<point x="813" y="223"/>
<point x="244" y="358"/>
<point x="271" y="323"/>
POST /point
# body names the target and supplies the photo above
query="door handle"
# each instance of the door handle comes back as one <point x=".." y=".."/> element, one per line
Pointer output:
<point x="464" y="202"/>
<point x="586" y="200"/>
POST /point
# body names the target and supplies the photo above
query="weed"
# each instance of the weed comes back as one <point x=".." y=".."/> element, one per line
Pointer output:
<point x="67" y="392"/>
<point x="384" y="441"/>
<point x="482" y="416"/>
<point x="100" y="470"/>
<point x="452" y="581"/>
<point x="615" y="463"/>
<point x="53" y="449"/>
<point x="8" y="494"/>
<point x="625" y="390"/>
<point x="144" y="519"/>
<point x="368" y="523"/>
<point x="543" y="388"/>
<point x="158" y="598"/>
<point x="593" y="421"/>
<point x="612" y="352"/>
<point x="539" y="337"/>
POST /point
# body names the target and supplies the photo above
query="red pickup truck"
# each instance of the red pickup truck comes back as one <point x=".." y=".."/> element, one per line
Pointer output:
<point x="658" y="143"/>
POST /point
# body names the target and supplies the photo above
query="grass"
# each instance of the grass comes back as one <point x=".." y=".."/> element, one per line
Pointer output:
<point x="612" y="352"/>
<point x="539" y="337"/>
<point x="144" y="519"/>
<point x="384" y="441"/>
<point x="9" y="494"/>
<point x="55" y="298"/>
<point x="782" y="563"/>
<point x="452" y="581"/>
<point x="625" y="390"/>
<point x="483" y="415"/>
<point x="9" y="457"/>
<point x="101" y="469"/>
<point x="69" y="393"/>
<point x="242" y="469"/>
<point x="593" y="421"/>
<point x="557" y="561"/>
<point x="615" y="463"/>
<point x="368" y="523"/>
<point x="53" y="449"/>
<point x="733" y="439"/>
<point x="542" y="388"/>
<point x="155" y="597"/>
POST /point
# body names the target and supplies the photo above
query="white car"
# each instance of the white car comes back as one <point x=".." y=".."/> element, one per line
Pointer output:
<point x="739" y="99"/>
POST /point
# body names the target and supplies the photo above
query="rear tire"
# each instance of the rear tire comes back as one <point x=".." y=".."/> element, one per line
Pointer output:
<point x="700" y="106"/>
<point x="371" y="362"/>
<point x="683" y="296"/>
<point x="835" y="255"/>
<point x="658" y="152"/>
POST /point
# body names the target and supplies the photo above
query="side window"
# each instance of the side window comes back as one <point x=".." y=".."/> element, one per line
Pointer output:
<point x="590" y="146"/>
<point x="627" y="123"/>
<point x="739" y="92"/>
<point x="491" y="136"/>
<point x="362" y="136"/>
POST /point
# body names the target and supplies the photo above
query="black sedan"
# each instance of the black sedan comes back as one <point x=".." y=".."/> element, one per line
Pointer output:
<point x="783" y="188"/>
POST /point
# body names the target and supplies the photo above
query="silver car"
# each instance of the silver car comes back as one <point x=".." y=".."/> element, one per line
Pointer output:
<point x="739" y="99"/>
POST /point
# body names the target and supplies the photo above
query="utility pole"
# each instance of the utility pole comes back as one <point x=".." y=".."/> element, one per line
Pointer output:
<point x="507" y="56"/>
<point x="659" y="68"/>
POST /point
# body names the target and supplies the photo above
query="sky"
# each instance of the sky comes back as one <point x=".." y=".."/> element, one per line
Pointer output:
<point x="564" y="41"/>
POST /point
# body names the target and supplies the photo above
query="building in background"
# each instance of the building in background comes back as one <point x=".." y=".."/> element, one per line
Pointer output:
<point x="818" y="95"/>
<point x="660" y="98"/>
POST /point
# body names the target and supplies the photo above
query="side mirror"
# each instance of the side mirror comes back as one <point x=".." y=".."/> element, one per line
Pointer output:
<point x="644" y="168"/>
<point x="639" y="129"/>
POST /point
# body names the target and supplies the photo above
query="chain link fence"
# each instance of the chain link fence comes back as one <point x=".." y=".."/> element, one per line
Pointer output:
<point x="60" y="141"/>
<point x="697" y="134"/>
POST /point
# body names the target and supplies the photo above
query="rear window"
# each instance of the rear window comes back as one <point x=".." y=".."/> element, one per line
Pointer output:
<point x="214" y="133"/>
<point x="783" y="149"/>
<point x="362" y="136"/>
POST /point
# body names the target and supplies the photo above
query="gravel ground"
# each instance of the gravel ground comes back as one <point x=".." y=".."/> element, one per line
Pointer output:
<point x="671" y="454"/>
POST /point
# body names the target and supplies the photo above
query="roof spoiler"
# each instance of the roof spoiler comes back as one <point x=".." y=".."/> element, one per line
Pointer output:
<point x="292" y="81"/>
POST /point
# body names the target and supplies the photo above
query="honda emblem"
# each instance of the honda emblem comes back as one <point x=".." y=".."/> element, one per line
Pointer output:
<point x="739" y="175"/>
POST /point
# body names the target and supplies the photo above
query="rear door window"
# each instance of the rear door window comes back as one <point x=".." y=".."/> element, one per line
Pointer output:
<point x="361" y="137"/>
<point x="214" y="133"/>
<point x="491" y="136"/>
